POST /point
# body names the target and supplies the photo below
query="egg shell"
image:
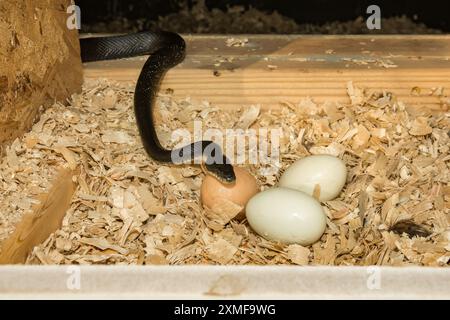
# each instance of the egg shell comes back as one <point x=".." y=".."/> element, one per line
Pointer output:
<point x="326" y="171"/>
<point x="245" y="187"/>
<point x="286" y="215"/>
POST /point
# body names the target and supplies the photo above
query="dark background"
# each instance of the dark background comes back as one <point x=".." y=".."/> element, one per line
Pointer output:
<point x="433" y="13"/>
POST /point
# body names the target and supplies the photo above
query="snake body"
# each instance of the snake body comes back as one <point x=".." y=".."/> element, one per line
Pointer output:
<point x="166" y="50"/>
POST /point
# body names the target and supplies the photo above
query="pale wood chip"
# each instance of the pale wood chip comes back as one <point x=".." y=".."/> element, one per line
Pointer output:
<point x="298" y="254"/>
<point x="248" y="117"/>
<point x="223" y="211"/>
<point x="155" y="259"/>
<point x="308" y="107"/>
<point x="236" y="42"/>
<point x="103" y="244"/>
<point x="356" y="95"/>
<point x="334" y="149"/>
<point x="361" y="138"/>
<point x="168" y="175"/>
<point x="149" y="202"/>
<point x="69" y="156"/>
<point x="420" y="127"/>
<point x="117" y="137"/>
<point x="221" y="251"/>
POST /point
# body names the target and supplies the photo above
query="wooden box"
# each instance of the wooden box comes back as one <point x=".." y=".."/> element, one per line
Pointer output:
<point x="270" y="71"/>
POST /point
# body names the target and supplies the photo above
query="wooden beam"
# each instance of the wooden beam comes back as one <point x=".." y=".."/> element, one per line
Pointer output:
<point x="45" y="219"/>
<point x="269" y="69"/>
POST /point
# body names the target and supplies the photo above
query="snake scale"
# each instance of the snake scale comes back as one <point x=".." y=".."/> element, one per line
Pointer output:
<point x="166" y="50"/>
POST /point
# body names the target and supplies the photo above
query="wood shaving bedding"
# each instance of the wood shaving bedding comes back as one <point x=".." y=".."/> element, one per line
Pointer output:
<point x="28" y="169"/>
<point x="130" y="210"/>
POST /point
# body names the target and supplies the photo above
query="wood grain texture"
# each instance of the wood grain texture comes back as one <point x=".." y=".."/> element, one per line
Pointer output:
<point x="45" y="219"/>
<point x="39" y="62"/>
<point x="272" y="69"/>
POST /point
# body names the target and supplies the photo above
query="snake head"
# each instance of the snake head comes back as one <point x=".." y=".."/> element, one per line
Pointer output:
<point x="222" y="172"/>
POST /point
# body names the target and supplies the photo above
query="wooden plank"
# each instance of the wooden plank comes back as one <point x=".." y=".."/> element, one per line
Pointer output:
<point x="39" y="62"/>
<point x="45" y="219"/>
<point x="223" y="282"/>
<point x="304" y="66"/>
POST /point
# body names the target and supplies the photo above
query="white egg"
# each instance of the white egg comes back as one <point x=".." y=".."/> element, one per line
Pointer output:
<point x="286" y="215"/>
<point x="326" y="171"/>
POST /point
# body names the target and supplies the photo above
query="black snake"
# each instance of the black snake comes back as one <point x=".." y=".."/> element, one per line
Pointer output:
<point x="166" y="50"/>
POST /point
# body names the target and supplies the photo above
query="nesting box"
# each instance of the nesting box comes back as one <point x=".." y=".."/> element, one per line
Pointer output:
<point x="379" y="103"/>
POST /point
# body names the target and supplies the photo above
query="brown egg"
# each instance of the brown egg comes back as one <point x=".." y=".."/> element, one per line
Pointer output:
<point x="213" y="191"/>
